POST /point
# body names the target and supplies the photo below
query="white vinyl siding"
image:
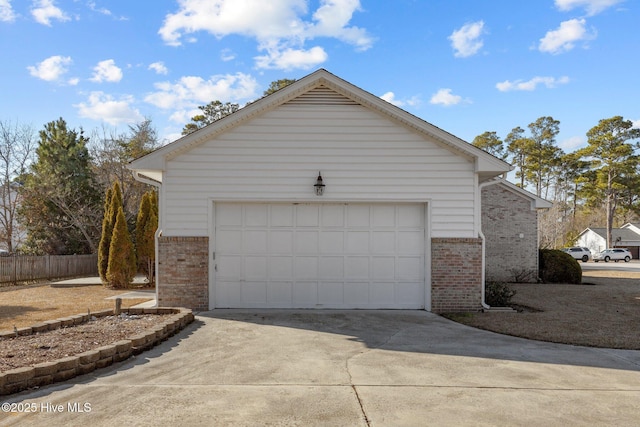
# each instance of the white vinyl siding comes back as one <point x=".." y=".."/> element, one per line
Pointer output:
<point x="362" y="156"/>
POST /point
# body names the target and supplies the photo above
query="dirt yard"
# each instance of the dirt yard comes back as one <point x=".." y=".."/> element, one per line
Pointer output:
<point x="604" y="311"/>
<point x="26" y="305"/>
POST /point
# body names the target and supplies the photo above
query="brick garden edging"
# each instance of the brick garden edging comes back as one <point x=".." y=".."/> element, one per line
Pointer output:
<point x="46" y="373"/>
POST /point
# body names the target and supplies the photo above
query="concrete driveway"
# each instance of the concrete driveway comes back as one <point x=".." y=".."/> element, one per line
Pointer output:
<point x="346" y="368"/>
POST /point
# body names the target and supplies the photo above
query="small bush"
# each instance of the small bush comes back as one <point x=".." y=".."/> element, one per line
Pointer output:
<point x="557" y="266"/>
<point x="498" y="294"/>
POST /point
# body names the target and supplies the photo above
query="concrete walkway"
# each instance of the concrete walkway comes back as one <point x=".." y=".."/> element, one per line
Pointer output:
<point x="347" y="368"/>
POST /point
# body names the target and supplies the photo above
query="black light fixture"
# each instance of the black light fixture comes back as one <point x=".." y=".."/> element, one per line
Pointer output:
<point x="319" y="185"/>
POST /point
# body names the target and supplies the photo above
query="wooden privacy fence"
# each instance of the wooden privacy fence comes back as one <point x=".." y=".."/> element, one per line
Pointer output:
<point x="28" y="268"/>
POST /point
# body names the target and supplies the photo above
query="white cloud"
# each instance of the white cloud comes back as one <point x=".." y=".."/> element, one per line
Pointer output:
<point x="43" y="11"/>
<point x="636" y="123"/>
<point x="532" y="84"/>
<point x="593" y="7"/>
<point x="467" y="40"/>
<point x="227" y="55"/>
<point x="159" y="68"/>
<point x="106" y="71"/>
<point x="189" y="92"/>
<point x="391" y="98"/>
<point x="6" y="11"/>
<point x="289" y="59"/>
<point x="104" y="107"/>
<point x="564" y="38"/>
<point x="279" y="26"/>
<point x="445" y="97"/>
<point x="572" y="143"/>
<point x="51" y="69"/>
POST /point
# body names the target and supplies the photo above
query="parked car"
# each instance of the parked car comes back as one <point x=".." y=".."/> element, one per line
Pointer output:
<point x="583" y="254"/>
<point x="615" y="254"/>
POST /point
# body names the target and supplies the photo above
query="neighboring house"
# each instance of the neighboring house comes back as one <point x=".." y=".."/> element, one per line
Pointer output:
<point x="510" y="227"/>
<point x="397" y="226"/>
<point x="628" y="236"/>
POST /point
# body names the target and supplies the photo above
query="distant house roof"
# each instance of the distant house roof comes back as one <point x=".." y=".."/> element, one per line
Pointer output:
<point x="618" y="234"/>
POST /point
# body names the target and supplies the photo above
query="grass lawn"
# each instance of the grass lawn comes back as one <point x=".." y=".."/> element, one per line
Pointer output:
<point x="26" y="305"/>
<point x="604" y="311"/>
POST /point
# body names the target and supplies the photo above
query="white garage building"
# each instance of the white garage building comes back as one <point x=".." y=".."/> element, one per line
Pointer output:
<point x="243" y="223"/>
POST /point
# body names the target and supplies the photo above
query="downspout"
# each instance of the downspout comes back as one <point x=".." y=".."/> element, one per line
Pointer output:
<point x="158" y="233"/>
<point x="503" y="178"/>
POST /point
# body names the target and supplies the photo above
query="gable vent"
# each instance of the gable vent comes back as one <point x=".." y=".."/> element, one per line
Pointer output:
<point x="321" y="96"/>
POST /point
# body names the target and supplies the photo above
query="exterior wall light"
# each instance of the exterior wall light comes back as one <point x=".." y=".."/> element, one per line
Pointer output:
<point x="319" y="185"/>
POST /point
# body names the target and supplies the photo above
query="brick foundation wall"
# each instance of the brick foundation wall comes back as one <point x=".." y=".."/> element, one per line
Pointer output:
<point x="456" y="274"/>
<point x="183" y="272"/>
<point x="506" y="216"/>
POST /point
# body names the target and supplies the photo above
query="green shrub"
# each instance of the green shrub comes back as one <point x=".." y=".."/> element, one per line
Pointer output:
<point x="557" y="266"/>
<point x="498" y="294"/>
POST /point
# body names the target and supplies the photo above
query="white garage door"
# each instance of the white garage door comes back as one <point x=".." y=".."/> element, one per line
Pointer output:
<point x="319" y="255"/>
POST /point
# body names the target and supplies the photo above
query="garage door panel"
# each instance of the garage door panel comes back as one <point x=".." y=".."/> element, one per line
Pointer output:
<point x="357" y="268"/>
<point x="410" y="268"/>
<point x="281" y="242"/>
<point x="229" y="267"/>
<point x="411" y="216"/>
<point x="356" y="294"/>
<point x="331" y="267"/>
<point x="254" y="292"/>
<point x="307" y="215"/>
<point x="305" y="294"/>
<point x="331" y="293"/>
<point x="331" y="242"/>
<point x="230" y="241"/>
<point x="281" y="268"/>
<point x="383" y="242"/>
<point x="307" y="242"/>
<point x="410" y="242"/>
<point x="358" y="242"/>
<point x="255" y="242"/>
<point x="358" y="216"/>
<point x="280" y="294"/>
<point x="282" y="215"/>
<point x="256" y="215"/>
<point x="319" y="255"/>
<point x="306" y="267"/>
<point x="383" y="216"/>
<point x="384" y="268"/>
<point x="332" y="216"/>
<point x="382" y="292"/>
<point x="255" y="268"/>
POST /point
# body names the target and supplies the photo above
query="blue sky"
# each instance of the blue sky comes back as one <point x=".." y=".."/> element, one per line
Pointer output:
<point x="466" y="66"/>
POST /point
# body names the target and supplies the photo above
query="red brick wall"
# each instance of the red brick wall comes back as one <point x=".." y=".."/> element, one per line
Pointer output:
<point x="183" y="272"/>
<point x="456" y="275"/>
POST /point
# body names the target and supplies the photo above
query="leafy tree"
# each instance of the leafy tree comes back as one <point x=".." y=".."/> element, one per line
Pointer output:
<point x="61" y="206"/>
<point x="17" y="148"/>
<point x="113" y="152"/>
<point x="518" y="145"/>
<point x="216" y="110"/>
<point x="146" y="226"/>
<point x="213" y="111"/>
<point x="122" y="258"/>
<point x="277" y="85"/>
<point x="491" y="143"/>
<point x="612" y="157"/>
<point x="543" y="154"/>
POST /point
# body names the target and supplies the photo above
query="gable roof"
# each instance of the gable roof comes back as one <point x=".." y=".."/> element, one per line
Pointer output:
<point x="618" y="234"/>
<point x="536" y="202"/>
<point x="319" y="82"/>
